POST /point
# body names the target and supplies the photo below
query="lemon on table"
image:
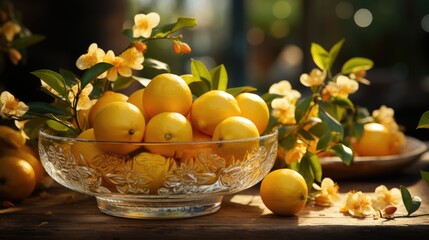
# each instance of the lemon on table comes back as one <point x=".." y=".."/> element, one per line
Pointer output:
<point x="233" y="128"/>
<point x="284" y="192"/>
<point x="167" y="127"/>
<point x="121" y="122"/>
<point x="17" y="179"/>
<point x="254" y="108"/>
<point x="106" y="98"/>
<point x="211" y="108"/>
<point x="167" y="92"/>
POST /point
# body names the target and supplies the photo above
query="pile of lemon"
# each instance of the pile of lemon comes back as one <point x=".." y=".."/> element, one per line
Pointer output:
<point x="166" y="111"/>
<point x="21" y="171"/>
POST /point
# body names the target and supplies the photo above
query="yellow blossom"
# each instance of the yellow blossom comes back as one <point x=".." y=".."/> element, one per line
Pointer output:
<point x="283" y="110"/>
<point x="360" y="76"/>
<point x="342" y="87"/>
<point x="384" y="197"/>
<point x="328" y="192"/>
<point x="296" y="153"/>
<point x="143" y="24"/>
<point x="133" y="58"/>
<point x="357" y="204"/>
<point x="10" y="29"/>
<point x="285" y="88"/>
<point x="118" y="66"/>
<point x="10" y="106"/>
<point x="20" y="125"/>
<point x="316" y="78"/>
<point x="83" y="102"/>
<point x="95" y="55"/>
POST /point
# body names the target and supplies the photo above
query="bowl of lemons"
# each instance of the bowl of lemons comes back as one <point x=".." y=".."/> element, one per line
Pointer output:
<point x="161" y="152"/>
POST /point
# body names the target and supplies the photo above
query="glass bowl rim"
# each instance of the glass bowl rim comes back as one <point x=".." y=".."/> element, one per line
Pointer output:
<point x="43" y="133"/>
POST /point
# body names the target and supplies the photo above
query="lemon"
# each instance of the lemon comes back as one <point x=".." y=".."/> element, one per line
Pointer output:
<point x="106" y="98"/>
<point x="211" y="108"/>
<point x="167" y="92"/>
<point x="154" y="167"/>
<point x="233" y="128"/>
<point x="136" y="98"/>
<point x="17" y="178"/>
<point x="254" y="108"/>
<point x="284" y="192"/>
<point x="121" y="122"/>
<point x="168" y="127"/>
<point x="375" y="141"/>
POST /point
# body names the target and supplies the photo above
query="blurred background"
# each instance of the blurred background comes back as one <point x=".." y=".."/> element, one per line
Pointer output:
<point x="260" y="42"/>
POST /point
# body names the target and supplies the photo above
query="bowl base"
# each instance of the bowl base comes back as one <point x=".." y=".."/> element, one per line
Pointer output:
<point x="158" y="208"/>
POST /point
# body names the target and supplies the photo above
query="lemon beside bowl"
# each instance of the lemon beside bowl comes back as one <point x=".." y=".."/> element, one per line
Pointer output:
<point x="145" y="185"/>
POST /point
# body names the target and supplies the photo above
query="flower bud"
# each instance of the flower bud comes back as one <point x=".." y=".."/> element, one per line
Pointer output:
<point x="176" y="47"/>
<point x="140" y="46"/>
<point x="15" y="56"/>
<point x="185" y="48"/>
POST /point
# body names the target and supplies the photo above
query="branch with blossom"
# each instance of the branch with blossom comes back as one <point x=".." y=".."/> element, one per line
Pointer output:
<point x="103" y="71"/>
<point x="14" y="36"/>
<point x="326" y="122"/>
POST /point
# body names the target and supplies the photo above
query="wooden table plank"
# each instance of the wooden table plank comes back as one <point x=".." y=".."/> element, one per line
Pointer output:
<point x="64" y="214"/>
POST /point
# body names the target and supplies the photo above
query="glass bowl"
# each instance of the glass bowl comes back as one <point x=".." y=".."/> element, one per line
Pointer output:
<point x="144" y="185"/>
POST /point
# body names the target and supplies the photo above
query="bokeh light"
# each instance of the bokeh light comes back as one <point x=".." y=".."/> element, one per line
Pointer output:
<point x="363" y="17"/>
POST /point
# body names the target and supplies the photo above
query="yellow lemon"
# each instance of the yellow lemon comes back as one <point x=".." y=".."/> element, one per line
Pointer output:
<point x="122" y="122"/>
<point x="211" y="108"/>
<point x="167" y="92"/>
<point x="284" y="192"/>
<point x="168" y="127"/>
<point x="17" y="178"/>
<point x="254" y="108"/>
<point x="375" y="141"/>
<point x="86" y="152"/>
<point x="233" y="128"/>
<point x="24" y="154"/>
<point x="136" y="98"/>
<point x="106" y="98"/>
<point x="154" y="167"/>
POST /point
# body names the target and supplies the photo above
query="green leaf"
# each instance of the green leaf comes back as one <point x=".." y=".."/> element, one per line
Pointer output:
<point x="53" y="79"/>
<point x="94" y="72"/>
<point x="302" y="107"/>
<point x="425" y="176"/>
<point x="343" y="102"/>
<point x="343" y="152"/>
<point x="333" y="53"/>
<point x="219" y="77"/>
<point x="424" y="120"/>
<point x="237" y="90"/>
<point x="32" y="126"/>
<point x="305" y="169"/>
<point x="198" y="88"/>
<point x="411" y="204"/>
<point x="315" y="165"/>
<point x="325" y="140"/>
<point x="122" y="83"/>
<point x="356" y="64"/>
<point x="156" y="64"/>
<point x="57" y="126"/>
<point x="174" y="27"/>
<point x="318" y="129"/>
<point x="42" y="108"/>
<point x="69" y="77"/>
<point x="199" y="71"/>
<point x="320" y="56"/>
<point x="331" y="123"/>
<point x="269" y="97"/>
<point x="305" y="134"/>
<point x="24" y="42"/>
<point x="128" y="33"/>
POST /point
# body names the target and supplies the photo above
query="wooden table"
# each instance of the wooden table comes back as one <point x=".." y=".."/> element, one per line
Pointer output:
<point x="62" y="214"/>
